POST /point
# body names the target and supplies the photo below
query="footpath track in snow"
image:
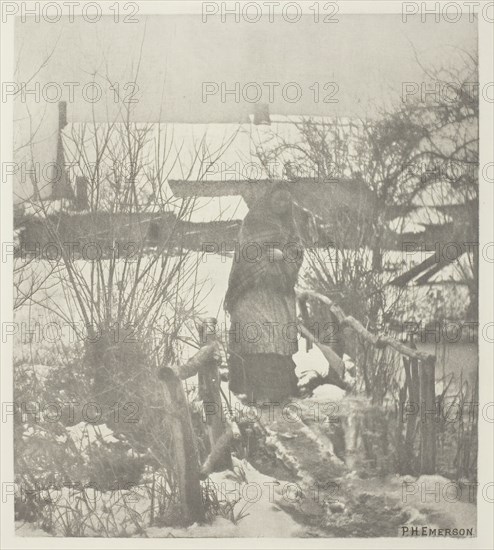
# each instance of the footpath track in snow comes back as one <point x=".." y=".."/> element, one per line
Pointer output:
<point x="315" y="441"/>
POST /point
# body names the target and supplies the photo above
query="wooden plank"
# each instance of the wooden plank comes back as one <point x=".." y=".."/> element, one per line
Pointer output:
<point x="206" y="354"/>
<point x="184" y="446"/>
<point x="431" y="264"/>
<point x="217" y="455"/>
<point x="406" y="277"/>
<point x="210" y="394"/>
<point x="376" y="340"/>
<point x="304" y="312"/>
<point x="412" y="395"/>
<point x="221" y="446"/>
<point x="428" y="417"/>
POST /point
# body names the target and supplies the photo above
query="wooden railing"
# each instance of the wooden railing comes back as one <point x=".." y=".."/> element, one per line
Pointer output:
<point x="417" y="398"/>
<point x="419" y="394"/>
<point x="221" y="428"/>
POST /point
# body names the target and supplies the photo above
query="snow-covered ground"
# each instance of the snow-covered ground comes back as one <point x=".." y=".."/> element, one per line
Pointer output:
<point x="264" y="506"/>
<point x="254" y="499"/>
<point x="274" y="505"/>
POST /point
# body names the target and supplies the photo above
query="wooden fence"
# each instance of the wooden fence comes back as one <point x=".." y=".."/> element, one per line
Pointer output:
<point x="221" y="427"/>
<point x="417" y="400"/>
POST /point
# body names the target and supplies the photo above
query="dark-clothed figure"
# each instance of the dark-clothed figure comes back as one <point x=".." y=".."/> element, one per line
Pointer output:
<point x="261" y="301"/>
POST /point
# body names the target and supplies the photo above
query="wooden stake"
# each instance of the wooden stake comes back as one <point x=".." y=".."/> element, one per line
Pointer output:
<point x="428" y="417"/>
<point x="210" y="394"/>
<point x="185" y="449"/>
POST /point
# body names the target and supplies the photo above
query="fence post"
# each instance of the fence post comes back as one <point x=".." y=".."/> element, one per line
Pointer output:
<point x="184" y="447"/>
<point x="210" y="394"/>
<point x="410" y="464"/>
<point x="304" y="312"/>
<point x="428" y="417"/>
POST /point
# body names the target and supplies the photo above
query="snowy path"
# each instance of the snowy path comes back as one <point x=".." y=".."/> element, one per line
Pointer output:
<point x="334" y="501"/>
<point x="313" y="489"/>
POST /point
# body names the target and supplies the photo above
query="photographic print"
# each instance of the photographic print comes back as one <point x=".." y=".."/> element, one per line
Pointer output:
<point x="247" y="269"/>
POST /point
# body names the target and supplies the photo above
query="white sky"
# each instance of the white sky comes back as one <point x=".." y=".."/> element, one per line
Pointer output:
<point x="367" y="56"/>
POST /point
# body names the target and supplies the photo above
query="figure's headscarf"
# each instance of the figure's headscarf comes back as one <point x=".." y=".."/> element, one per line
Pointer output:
<point x="262" y="226"/>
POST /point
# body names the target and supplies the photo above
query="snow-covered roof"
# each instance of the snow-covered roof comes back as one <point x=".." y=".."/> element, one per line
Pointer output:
<point x="441" y="193"/>
<point x="416" y="220"/>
